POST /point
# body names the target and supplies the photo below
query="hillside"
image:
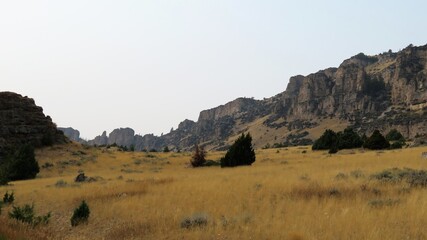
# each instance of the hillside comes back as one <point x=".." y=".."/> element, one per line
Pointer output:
<point x="23" y="122"/>
<point x="384" y="91"/>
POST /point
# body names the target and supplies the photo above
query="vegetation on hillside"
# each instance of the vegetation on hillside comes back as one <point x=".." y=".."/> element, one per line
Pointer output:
<point x="376" y="141"/>
<point x="240" y="153"/>
<point x="199" y="156"/>
<point x="19" y="164"/>
<point x="348" y="139"/>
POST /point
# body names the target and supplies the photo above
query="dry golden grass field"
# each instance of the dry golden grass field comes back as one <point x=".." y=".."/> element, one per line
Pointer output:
<point x="291" y="193"/>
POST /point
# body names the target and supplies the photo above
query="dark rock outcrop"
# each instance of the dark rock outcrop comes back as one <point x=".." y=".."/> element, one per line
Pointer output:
<point x="23" y="122"/>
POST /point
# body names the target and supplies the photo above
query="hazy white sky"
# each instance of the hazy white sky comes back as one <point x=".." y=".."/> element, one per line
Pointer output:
<point x="97" y="65"/>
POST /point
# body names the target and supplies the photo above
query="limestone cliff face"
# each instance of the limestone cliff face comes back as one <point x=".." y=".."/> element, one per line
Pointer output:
<point x="22" y="122"/>
<point x="122" y="137"/>
<point x="384" y="91"/>
<point x="99" y="140"/>
<point x="360" y="85"/>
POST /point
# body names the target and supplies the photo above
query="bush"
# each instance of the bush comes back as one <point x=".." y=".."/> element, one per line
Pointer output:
<point x="4" y="179"/>
<point x="80" y="215"/>
<point x="348" y="139"/>
<point x="240" y="153"/>
<point x="26" y="214"/>
<point x="326" y="141"/>
<point x="166" y="149"/>
<point x="197" y="220"/>
<point x="415" y="178"/>
<point x="394" y="135"/>
<point x="8" y="198"/>
<point x="198" y="158"/>
<point x="376" y="141"/>
<point x="20" y="164"/>
<point x="333" y="150"/>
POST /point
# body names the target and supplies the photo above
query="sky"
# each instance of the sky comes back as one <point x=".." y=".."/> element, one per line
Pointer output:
<point x="97" y="65"/>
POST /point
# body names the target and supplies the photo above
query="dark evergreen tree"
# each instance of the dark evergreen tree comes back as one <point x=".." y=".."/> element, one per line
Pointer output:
<point x="4" y="178"/>
<point x="376" y="141"/>
<point x="20" y="164"/>
<point x="394" y="135"/>
<point x="333" y="149"/>
<point x="240" y="153"/>
<point x="326" y="141"/>
<point x="80" y="215"/>
<point x="348" y="139"/>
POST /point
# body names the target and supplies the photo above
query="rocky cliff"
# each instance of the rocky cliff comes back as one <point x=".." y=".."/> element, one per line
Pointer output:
<point x="71" y="133"/>
<point x="384" y="91"/>
<point x="23" y="122"/>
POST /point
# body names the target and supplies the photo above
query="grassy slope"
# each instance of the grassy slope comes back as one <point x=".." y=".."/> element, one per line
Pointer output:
<point x="284" y="195"/>
<point x="262" y="134"/>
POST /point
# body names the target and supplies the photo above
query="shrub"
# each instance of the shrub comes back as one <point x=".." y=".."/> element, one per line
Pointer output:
<point x="8" y="198"/>
<point x="348" y="139"/>
<point x="376" y="141"/>
<point x="61" y="183"/>
<point x="333" y="150"/>
<point x="394" y="135"/>
<point x="198" y="158"/>
<point x="415" y="178"/>
<point x="240" y="153"/>
<point x="197" y="220"/>
<point x="80" y="215"/>
<point x="326" y="141"/>
<point x="20" y="164"/>
<point x="4" y="179"/>
<point x="377" y="203"/>
<point x="26" y="214"/>
<point x="166" y="149"/>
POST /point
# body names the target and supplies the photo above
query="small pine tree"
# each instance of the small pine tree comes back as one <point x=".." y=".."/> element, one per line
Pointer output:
<point x="348" y="139"/>
<point x="80" y="215"/>
<point x="240" y="153"/>
<point x="376" y="141"/>
<point x="166" y="149"/>
<point x="21" y="164"/>
<point x="199" y="156"/>
<point x="394" y="135"/>
<point x="326" y="141"/>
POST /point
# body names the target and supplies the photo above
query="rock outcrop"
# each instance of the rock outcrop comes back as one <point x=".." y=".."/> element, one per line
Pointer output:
<point x="71" y="133"/>
<point x="384" y="91"/>
<point x="99" y="140"/>
<point x="23" y="122"/>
